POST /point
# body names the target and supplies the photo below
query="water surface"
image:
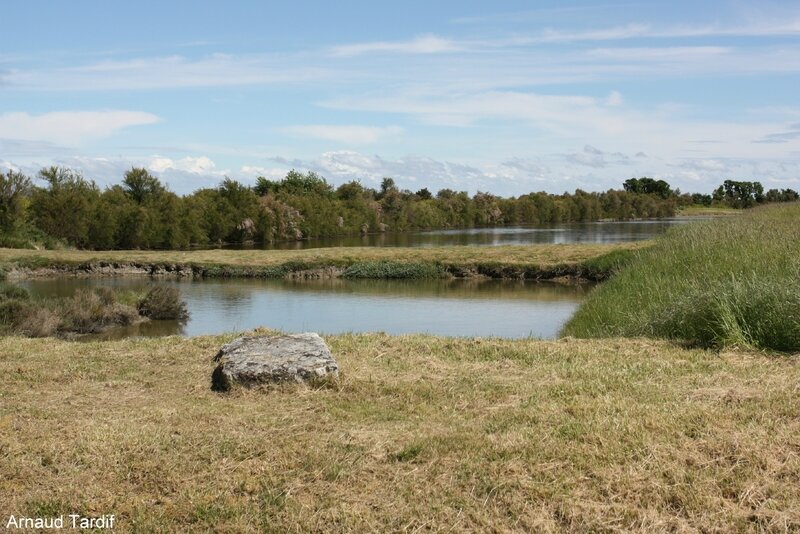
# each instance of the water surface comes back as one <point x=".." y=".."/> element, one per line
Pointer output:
<point x="502" y="308"/>
<point x="566" y="233"/>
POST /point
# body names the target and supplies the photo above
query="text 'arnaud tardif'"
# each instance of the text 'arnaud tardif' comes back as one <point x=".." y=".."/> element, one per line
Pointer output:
<point x="70" y="521"/>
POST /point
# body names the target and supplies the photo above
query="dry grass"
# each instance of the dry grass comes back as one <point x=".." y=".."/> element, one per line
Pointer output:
<point x="537" y="255"/>
<point x="421" y="433"/>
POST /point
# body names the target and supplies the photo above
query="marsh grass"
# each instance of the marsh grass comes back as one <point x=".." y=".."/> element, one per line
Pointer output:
<point x="394" y="270"/>
<point x="421" y="434"/>
<point x="367" y="261"/>
<point x="732" y="281"/>
<point x="87" y="311"/>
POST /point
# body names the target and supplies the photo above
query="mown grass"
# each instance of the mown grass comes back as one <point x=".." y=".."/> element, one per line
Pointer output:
<point x="732" y="281"/>
<point x="420" y="433"/>
<point x="366" y="261"/>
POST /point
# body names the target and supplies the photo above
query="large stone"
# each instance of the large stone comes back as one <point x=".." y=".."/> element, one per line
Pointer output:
<point x="250" y="361"/>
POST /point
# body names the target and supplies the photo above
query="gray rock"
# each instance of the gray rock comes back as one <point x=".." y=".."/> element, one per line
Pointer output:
<point x="250" y="361"/>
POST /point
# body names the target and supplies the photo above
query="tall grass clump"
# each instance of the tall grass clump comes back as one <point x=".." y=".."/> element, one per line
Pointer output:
<point x="733" y="281"/>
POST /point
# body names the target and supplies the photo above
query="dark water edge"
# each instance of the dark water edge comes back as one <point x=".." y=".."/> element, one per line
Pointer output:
<point x="461" y="308"/>
<point x="598" y="232"/>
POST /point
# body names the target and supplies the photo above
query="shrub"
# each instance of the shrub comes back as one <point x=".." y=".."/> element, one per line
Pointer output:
<point x="163" y="302"/>
<point x="39" y="322"/>
<point x="90" y="311"/>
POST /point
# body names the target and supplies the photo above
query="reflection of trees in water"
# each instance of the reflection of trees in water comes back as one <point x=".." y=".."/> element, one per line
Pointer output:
<point x="472" y="288"/>
<point x="234" y="292"/>
<point x="562" y="233"/>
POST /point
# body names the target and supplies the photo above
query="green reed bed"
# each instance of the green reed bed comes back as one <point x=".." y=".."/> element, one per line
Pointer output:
<point x="733" y="281"/>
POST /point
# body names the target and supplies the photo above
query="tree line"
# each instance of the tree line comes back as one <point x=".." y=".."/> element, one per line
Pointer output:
<point x="141" y="213"/>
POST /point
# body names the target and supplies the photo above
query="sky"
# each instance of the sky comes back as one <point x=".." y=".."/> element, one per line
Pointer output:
<point x="506" y="97"/>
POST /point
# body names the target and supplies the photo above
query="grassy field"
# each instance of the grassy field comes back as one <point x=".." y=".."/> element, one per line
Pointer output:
<point x="696" y="210"/>
<point x="421" y="433"/>
<point x="730" y="281"/>
<point x="372" y="261"/>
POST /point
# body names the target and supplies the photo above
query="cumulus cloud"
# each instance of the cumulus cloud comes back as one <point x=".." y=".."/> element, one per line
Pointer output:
<point x="69" y="127"/>
<point x="345" y="134"/>
<point x="250" y="172"/>
<point x="198" y="165"/>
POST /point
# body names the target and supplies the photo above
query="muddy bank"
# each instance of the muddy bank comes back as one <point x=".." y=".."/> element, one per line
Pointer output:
<point x="569" y="273"/>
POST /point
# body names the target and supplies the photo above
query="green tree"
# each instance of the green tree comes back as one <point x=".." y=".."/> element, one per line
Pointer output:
<point x="740" y="194"/>
<point x="15" y="189"/>
<point x="648" y="186"/>
<point x="141" y="186"/>
<point x="65" y="207"/>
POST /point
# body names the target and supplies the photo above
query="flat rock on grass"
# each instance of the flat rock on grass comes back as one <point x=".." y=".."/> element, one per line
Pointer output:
<point x="251" y="361"/>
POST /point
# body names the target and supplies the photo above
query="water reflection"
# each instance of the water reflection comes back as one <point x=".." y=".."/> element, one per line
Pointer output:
<point x="510" y="309"/>
<point x="588" y="232"/>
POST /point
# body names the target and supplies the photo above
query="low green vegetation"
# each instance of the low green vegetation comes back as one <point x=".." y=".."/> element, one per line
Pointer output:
<point x="731" y="281"/>
<point x="392" y="270"/>
<point x="419" y="434"/>
<point x="85" y="312"/>
<point x="593" y="261"/>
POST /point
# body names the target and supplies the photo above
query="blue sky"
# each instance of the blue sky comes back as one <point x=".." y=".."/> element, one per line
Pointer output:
<point x="507" y="97"/>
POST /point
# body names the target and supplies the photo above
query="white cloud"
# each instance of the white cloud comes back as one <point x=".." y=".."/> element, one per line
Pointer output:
<point x="594" y="157"/>
<point x="198" y="165"/>
<point x="614" y="99"/>
<point x="217" y="70"/>
<point x="252" y="171"/>
<point x="70" y="127"/>
<point x="679" y="53"/>
<point x="350" y="135"/>
<point x="631" y="31"/>
<point x="791" y="133"/>
<point x="424" y="44"/>
<point x="553" y="120"/>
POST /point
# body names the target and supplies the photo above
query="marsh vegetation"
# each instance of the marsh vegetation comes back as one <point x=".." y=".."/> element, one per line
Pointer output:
<point x="86" y="311"/>
<point x="727" y="282"/>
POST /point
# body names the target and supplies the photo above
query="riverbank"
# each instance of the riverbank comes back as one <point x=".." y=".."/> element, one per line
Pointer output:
<point x="420" y="433"/>
<point x="537" y="262"/>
